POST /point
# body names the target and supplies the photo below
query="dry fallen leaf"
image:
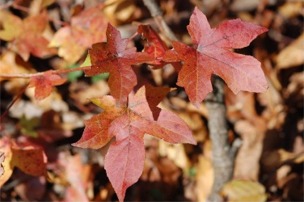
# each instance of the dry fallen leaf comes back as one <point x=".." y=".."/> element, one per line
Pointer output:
<point x="252" y="145"/>
<point x="275" y="158"/>
<point x="21" y="33"/>
<point x="11" y="64"/>
<point x="292" y="55"/>
<point x="291" y="8"/>
<point x="85" y="29"/>
<point x="77" y="175"/>
<point x="205" y="174"/>
<point x="119" y="11"/>
<point x="82" y="93"/>
<point x="25" y="188"/>
<point x="244" y="5"/>
<point x="241" y="191"/>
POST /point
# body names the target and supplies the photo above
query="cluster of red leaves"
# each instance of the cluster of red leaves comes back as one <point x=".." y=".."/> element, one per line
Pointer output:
<point x="126" y="115"/>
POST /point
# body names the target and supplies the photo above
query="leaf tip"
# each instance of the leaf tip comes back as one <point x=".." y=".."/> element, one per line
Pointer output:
<point x="191" y="140"/>
<point x="196" y="9"/>
<point x="263" y="30"/>
<point x="197" y="104"/>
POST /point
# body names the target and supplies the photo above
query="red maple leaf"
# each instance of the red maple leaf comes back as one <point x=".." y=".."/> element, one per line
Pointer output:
<point x="125" y="158"/>
<point x="211" y="55"/>
<point x="114" y="57"/>
<point x="44" y="84"/>
<point x="155" y="47"/>
<point x="153" y="43"/>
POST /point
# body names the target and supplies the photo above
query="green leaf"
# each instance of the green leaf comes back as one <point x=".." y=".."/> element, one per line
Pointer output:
<point x="102" y="76"/>
<point x="73" y="76"/>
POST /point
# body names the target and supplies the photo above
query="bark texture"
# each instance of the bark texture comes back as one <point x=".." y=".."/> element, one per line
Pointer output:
<point x="222" y="157"/>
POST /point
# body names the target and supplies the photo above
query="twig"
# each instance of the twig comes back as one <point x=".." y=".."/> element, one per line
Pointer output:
<point x="22" y="76"/>
<point x="156" y="13"/>
<point x="14" y="5"/>
<point x="13" y="102"/>
<point x="22" y="8"/>
<point x="222" y="154"/>
<point x="60" y="71"/>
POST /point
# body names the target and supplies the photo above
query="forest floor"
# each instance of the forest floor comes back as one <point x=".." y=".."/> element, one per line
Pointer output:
<point x="268" y="126"/>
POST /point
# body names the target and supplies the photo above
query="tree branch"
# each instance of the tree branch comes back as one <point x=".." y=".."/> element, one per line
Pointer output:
<point x="12" y="103"/>
<point x="221" y="151"/>
<point x="157" y="14"/>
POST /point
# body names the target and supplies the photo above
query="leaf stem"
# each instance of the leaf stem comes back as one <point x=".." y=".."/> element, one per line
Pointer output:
<point x="60" y="71"/>
<point x="13" y="102"/>
<point x="14" y="5"/>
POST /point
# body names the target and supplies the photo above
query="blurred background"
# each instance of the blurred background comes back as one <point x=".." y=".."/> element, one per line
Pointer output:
<point x="268" y="126"/>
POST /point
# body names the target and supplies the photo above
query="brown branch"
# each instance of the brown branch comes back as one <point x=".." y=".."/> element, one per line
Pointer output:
<point x="222" y="154"/>
<point x="12" y="103"/>
<point x="157" y="14"/>
<point x="21" y="76"/>
<point x="129" y="29"/>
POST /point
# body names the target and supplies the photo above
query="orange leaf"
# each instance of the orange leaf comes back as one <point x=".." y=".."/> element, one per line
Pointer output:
<point x="44" y="83"/>
<point x="29" y="158"/>
<point x="5" y="161"/>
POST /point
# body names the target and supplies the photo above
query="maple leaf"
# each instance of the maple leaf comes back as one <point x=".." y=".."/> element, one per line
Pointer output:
<point x="211" y="55"/>
<point x="154" y="45"/>
<point x="29" y="158"/>
<point x="114" y="57"/>
<point x="26" y="36"/>
<point x="85" y="29"/>
<point x="44" y="83"/>
<point x="125" y="158"/>
<point x="156" y="48"/>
